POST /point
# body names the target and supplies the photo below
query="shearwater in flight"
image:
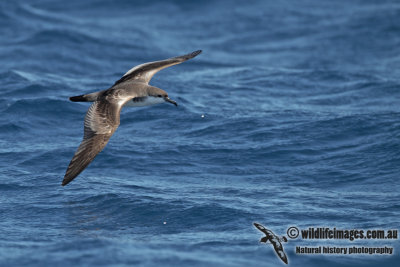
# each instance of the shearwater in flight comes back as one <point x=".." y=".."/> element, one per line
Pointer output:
<point x="274" y="240"/>
<point x="102" y="118"/>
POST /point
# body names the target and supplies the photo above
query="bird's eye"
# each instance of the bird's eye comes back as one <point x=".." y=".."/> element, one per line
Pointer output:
<point x="159" y="95"/>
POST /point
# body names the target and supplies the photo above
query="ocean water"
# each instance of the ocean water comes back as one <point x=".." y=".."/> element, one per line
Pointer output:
<point x="289" y="117"/>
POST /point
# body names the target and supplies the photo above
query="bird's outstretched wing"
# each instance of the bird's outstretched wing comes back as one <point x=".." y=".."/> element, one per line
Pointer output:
<point x="260" y="227"/>
<point x="145" y="72"/>
<point x="263" y="229"/>
<point x="279" y="250"/>
<point x="101" y="121"/>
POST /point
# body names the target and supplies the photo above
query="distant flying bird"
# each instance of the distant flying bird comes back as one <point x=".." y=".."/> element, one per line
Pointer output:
<point x="102" y="118"/>
<point x="275" y="241"/>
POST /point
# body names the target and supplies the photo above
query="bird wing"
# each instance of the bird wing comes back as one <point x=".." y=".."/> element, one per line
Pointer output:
<point x="146" y="71"/>
<point x="101" y="121"/>
<point x="279" y="250"/>
<point x="267" y="232"/>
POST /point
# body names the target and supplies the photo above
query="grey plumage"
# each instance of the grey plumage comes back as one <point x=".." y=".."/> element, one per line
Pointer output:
<point x="146" y="71"/>
<point x="102" y="118"/>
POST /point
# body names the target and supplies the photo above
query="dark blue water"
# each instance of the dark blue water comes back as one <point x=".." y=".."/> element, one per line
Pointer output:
<point x="289" y="117"/>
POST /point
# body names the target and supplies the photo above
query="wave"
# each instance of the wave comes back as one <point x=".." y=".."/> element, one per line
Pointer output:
<point x="136" y="210"/>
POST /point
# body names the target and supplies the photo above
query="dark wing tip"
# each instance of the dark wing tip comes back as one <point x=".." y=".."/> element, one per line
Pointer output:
<point x="284" y="258"/>
<point x="258" y="225"/>
<point x="195" y="53"/>
<point x="191" y="55"/>
<point x="66" y="181"/>
<point x="78" y="98"/>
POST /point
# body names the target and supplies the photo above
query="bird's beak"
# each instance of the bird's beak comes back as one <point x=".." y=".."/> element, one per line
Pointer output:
<point x="167" y="99"/>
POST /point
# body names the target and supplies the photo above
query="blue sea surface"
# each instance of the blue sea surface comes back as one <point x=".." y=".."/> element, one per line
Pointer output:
<point x="289" y="117"/>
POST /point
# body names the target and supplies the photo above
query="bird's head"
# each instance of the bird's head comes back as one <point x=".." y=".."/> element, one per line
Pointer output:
<point x="161" y="95"/>
<point x="264" y="239"/>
